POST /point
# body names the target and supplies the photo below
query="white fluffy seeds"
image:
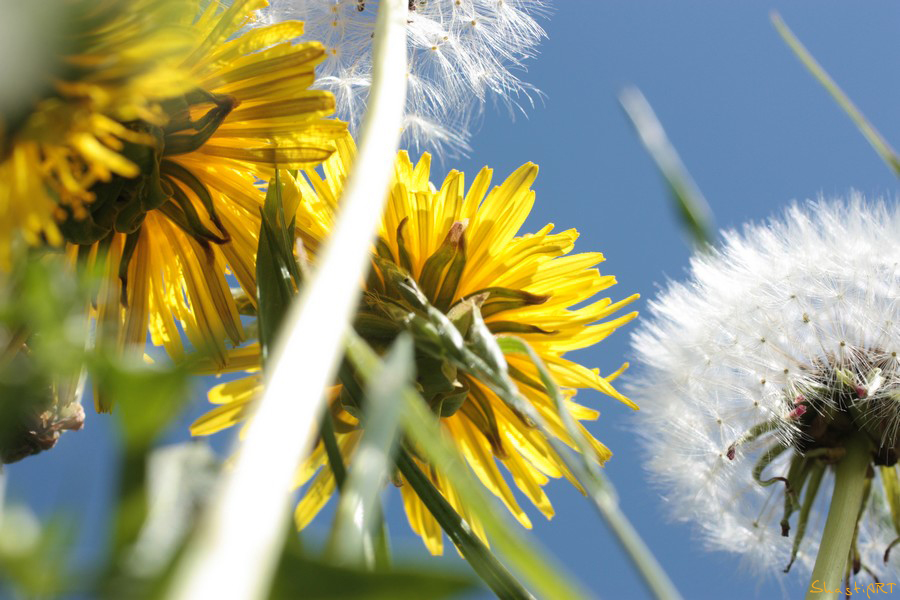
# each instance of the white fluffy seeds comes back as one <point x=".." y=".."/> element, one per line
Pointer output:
<point x="461" y="52"/>
<point x="737" y="344"/>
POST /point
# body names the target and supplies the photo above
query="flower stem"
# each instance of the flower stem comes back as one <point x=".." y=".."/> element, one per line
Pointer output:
<point x="655" y="578"/>
<point x="849" y="480"/>
<point x="482" y="560"/>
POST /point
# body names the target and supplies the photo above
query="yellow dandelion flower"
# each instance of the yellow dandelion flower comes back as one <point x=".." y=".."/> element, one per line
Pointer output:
<point x="146" y="164"/>
<point x="114" y="64"/>
<point x="457" y="246"/>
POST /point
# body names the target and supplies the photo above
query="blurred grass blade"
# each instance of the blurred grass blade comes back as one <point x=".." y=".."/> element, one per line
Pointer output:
<point x="332" y="450"/>
<point x="881" y="146"/>
<point x="478" y="352"/>
<point x="180" y="479"/>
<point x="249" y="514"/>
<point x="148" y="398"/>
<point x="424" y="431"/>
<point x="587" y="472"/>
<point x="34" y="557"/>
<point x="311" y="578"/>
<point x="692" y="207"/>
<point x="358" y="512"/>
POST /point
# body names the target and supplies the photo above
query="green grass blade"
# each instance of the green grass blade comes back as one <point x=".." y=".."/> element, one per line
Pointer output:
<point x="587" y="472"/>
<point x="248" y="515"/>
<point x="277" y="273"/>
<point x="359" y="512"/>
<point x="690" y="204"/>
<point x="424" y="431"/>
<point x="871" y="134"/>
<point x="312" y="578"/>
<point x="479" y="556"/>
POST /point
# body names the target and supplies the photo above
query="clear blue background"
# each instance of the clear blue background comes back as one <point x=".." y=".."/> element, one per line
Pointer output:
<point x="756" y="132"/>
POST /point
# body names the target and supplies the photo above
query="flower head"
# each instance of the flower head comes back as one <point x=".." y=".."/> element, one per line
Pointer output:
<point x="780" y="349"/>
<point x="113" y="65"/>
<point x="145" y="160"/>
<point x="450" y="249"/>
<point x="461" y="52"/>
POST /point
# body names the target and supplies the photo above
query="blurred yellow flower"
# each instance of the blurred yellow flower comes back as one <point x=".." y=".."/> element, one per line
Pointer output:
<point x="145" y="158"/>
<point x="115" y="62"/>
<point x="457" y="246"/>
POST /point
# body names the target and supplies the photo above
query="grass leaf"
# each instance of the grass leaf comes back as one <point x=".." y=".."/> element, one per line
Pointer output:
<point x="690" y="204"/>
<point x="359" y="512"/>
<point x="871" y="134"/>
<point x="587" y="472"/>
<point x="424" y="431"/>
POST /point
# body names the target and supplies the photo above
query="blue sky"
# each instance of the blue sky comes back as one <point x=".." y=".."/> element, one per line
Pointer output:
<point x="756" y="132"/>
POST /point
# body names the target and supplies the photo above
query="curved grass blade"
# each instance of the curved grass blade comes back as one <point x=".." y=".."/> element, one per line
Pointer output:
<point x="586" y="471"/>
<point x="881" y="146"/>
<point x="249" y="514"/>
<point x="479" y="556"/>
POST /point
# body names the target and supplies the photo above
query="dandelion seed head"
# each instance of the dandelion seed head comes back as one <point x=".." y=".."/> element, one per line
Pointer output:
<point x="791" y="324"/>
<point x="461" y="53"/>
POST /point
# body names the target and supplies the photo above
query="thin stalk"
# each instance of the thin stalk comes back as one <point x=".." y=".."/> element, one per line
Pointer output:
<point x="333" y="451"/>
<point x="881" y="146"/>
<point x="597" y="487"/>
<point x="475" y="552"/>
<point x="358" y="517"/>
<point x="655" y="578"/>
<point x="2" y="491"/>
<point x="426" y="434"/>
<point x="834" y="551"/>
<point x="381" y="543"/>
<point x="251" y="508"/>
<point x="13" y="346"/>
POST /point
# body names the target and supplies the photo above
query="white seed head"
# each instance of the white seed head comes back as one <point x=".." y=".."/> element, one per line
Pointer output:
<point x="461" y="52"/>
<point x="790" y="318"/>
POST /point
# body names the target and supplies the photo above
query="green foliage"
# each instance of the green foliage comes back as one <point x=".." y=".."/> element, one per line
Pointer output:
<point x="277" y="273"/>
<point x="354" y="542"/>
<point x="423" y="431"/>
<point x="33" y="556"/>
<point x="881" y="146"/>
<point x="352" y="536"/>
<point x="301" y="576"/>
<point x="689" y="203"/>
<point x="43" y="330"/>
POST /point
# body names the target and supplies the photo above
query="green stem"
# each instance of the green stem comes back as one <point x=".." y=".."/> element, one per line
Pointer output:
<point x="597" y="487"/>
<point x="460" y="533"/>
<point x="849" y="483"/>
<point x="655" y="578"/>
<point x="332" y="450"/>
<point x="881" y="146"/>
